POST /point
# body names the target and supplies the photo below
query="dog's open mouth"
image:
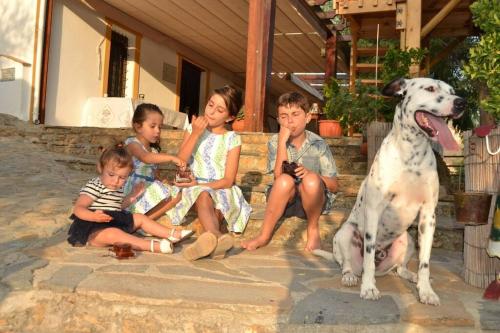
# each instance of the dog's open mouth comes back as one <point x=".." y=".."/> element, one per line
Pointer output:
<point x="437" y="129"/>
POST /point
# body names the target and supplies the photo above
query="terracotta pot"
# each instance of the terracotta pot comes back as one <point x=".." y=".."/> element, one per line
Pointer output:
<point x="472" y="208"/>
<point x="330" y="128"/>
<point x="239" y="125"/>
<point x="364" y="149"/>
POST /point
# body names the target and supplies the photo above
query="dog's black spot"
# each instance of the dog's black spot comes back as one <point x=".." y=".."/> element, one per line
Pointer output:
<point x="421" y="106"/>
<point x="421" y="228"/>
<point x="418" y="173"/>
<point x="421" y="87"/>
<point x="369" y="248"/>
<point x="423" y="265"/>
<point x="392" y="195"/>
<point x="368" y="236"/>
<point x="412" y="84"/>
<point x="361" y="198"/>
<point x="439" y="99"/>
<point x="433" y="216"/>
<point x="433" y="224"/>
<point x="354" y="224"/>
<point x="434" y="111"/>
<point x="391" y="233"/>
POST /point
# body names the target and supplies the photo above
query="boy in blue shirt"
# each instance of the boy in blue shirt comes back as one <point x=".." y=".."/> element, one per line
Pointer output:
<point x="309" y="191"/>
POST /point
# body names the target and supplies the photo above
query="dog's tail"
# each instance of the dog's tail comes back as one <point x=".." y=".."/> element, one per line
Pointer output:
<point x="324" y="254"/>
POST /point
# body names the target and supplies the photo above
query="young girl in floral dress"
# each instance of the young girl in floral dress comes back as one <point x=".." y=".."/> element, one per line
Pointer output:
<point x="158" y="197"/>
<point x="213" y="154"/>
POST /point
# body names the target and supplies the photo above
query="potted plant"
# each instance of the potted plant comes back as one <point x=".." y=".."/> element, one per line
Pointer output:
<point x="338" y="102"/>
<point x="239" y="122"/>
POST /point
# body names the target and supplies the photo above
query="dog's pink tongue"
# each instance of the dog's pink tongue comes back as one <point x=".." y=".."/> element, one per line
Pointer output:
<point x="444" y="136"/>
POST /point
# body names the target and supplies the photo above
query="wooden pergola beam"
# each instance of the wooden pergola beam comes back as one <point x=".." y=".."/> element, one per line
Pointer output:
<point x="316" y="2"/>
<point x="439" y="17"/>
<point x="310" y="16"/>
<point x="261" y="15"/>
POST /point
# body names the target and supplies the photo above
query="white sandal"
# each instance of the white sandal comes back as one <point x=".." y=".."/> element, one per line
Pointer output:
<point x="165" y="246"/>
<point x="184" y="235"/>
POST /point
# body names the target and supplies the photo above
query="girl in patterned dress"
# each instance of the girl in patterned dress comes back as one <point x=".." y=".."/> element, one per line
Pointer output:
<point x="158" y="197"/>
<point x="213" y="154"/>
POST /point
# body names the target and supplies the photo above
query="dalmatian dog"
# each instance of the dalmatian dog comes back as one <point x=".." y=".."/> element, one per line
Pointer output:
<point x="402" y="185"/>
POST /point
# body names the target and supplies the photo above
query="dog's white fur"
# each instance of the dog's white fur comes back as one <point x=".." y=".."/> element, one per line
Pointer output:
<point x="401" y="186"/>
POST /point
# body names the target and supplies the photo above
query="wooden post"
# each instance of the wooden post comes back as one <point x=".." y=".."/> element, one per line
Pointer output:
<point x="354" y="54"/>
<point x="413" y="27"/>
<point x="331" y="57"/>
<point x="45" y="61"/>
<point x="259" y="59"/>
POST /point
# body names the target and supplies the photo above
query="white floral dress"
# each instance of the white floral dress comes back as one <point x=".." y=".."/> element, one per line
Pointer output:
<point x="208" y="164"/>
<point x="155" y="190"/>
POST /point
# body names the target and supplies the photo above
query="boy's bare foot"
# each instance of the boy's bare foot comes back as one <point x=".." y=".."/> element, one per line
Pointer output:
<point x="313" y="243"/>
<point x="255" y="243"/>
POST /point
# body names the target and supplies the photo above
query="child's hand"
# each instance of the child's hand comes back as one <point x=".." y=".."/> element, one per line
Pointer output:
<point x="100" y="216"/>
<point x="198" y="124"/>
<point x="284" y="134"/>
<point x="179" y="162"/>
<point x="301" y="171"/>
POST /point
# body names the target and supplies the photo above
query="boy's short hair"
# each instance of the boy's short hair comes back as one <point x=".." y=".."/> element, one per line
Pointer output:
<point x="117" y="154"/>
<point x="294" y="98"/>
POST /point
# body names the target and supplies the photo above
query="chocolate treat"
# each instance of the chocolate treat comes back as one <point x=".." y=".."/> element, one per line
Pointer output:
<point x="289" y="168"/>
<point x="183" y="175"/>
<point x="123" y="250"/>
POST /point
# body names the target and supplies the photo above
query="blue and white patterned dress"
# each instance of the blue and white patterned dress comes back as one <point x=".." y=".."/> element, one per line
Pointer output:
<point x="155" y="190"/>
<point x="208" y="164"/>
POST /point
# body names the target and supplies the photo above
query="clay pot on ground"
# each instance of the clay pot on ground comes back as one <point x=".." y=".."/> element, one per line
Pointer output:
<point x="330" y="128"/>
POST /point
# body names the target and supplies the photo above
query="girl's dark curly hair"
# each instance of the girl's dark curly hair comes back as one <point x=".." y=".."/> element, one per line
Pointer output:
<point x="140" y="114"/>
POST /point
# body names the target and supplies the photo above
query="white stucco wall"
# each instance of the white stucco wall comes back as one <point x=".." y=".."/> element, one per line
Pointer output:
<point x="17" y="33"/>
<point x="75" y="62"/>
<point x="151" y="84"/>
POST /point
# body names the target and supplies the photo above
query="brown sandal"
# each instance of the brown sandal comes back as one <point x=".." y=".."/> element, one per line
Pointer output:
<point x="224" y="244"/>
<point x="202" y="247"/>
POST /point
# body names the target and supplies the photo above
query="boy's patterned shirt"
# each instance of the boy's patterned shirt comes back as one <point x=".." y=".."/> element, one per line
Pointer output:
<point x="315" y="155"/>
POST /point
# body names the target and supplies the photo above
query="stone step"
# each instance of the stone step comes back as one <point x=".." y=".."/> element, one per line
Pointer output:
<point x="291" y="232"/>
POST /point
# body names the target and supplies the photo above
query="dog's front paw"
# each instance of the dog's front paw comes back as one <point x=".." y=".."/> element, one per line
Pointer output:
<point x="349" y="279"/>
<point x="428" y="296"/>
<point x="369" y="292"/>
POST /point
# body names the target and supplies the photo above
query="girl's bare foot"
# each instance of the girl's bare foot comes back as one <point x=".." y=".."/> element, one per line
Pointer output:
<point x="254" y="243"/>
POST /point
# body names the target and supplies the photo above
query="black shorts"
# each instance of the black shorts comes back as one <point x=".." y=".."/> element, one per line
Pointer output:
<point x="80" y="230"/>
<point x="294" y="207"/>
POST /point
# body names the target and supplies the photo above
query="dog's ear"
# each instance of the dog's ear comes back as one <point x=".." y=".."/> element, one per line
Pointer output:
<point x="396" y="87"/>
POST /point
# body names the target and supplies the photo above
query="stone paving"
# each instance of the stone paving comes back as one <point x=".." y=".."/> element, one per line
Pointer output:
<point x="48" y="286"/>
